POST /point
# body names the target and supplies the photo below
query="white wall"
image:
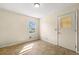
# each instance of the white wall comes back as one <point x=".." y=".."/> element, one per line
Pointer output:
<point x="13" y="28"/>
<point x="47" y="29"/>
<point x="48" y="24"/>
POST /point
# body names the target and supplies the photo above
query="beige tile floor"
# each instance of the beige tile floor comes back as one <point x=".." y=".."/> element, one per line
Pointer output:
<point x="37" y="47"/>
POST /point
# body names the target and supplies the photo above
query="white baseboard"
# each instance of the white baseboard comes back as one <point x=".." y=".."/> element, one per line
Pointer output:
<point x="50" y="41"/>
<point x="14" y="43"/>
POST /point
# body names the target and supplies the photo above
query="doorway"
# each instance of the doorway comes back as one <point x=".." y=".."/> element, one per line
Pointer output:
<point x="67" y="30"/>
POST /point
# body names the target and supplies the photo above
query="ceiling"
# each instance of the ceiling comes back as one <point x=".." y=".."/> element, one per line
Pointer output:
<point x="30" y="10"/>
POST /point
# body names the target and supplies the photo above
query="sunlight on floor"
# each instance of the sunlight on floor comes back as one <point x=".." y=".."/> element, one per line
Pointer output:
<point x="27" y="47"/>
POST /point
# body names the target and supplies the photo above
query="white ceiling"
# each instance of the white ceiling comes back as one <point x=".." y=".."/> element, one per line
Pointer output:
<point x="28" y="9"/>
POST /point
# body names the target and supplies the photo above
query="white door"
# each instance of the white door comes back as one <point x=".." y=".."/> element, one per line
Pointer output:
<point x="67" y="30"/>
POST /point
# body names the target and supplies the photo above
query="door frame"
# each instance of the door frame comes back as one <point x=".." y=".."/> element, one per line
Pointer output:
<point x="76" y="29"/>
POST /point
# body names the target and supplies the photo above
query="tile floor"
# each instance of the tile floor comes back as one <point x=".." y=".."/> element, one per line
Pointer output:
<point x="37" y="47"/>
